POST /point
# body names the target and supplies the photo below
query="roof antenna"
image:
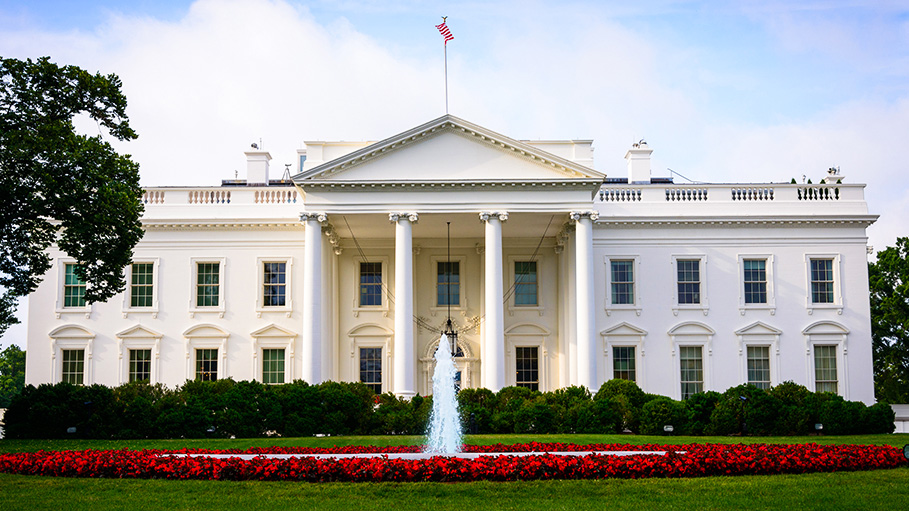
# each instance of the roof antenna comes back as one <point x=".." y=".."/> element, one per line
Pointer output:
<point x="449" y="329"/>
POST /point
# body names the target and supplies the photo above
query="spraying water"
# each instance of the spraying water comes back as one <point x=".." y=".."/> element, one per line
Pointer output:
<point x="444" y="422"/>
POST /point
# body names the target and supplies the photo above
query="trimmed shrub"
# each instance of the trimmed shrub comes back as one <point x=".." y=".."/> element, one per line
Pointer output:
<point x="479" y="403"/>
<point x="627" y="399"/>
<point x="565" y="404"/>
<point x="878" y="418"/>
<point x="534" y="416"/>
<point x="598" y="416"/>
<point x="662" y="411"/>
<point x="799" y="409"/>
<point x="699" y="407"/>
<point x="744" y="410"/>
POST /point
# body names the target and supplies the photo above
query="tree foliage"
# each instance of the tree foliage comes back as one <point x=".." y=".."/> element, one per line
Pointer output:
<point x="59" y="186"/>
<point x="12" y="373"/>
<point x="889" y="284"/>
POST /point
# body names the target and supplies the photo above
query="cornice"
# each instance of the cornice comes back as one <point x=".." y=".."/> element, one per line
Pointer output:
<point x="188" y="225"/>
<point x="857" y="220"/>
<point x="414" y="186"/>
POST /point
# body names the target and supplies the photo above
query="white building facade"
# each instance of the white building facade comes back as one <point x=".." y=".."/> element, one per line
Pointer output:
<point x="555" y="275"/>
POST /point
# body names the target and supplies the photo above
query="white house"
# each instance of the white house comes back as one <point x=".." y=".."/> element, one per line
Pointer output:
<point x="557" y="275"/>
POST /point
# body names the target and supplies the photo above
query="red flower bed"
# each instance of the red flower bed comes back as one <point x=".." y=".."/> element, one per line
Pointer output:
<point x="695" y="460"/>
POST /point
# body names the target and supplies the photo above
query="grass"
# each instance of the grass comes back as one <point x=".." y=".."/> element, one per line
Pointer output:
<point x="881" y="489"/>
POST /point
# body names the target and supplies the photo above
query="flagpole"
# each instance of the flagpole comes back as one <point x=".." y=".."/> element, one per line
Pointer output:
<point x="446" y="77"/>
<point x="446" y="36"/>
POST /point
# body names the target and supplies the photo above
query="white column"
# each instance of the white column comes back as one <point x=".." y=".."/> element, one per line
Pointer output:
<point x="494" y="365"/>
<point x="311" y="352"/>
<point x="587" y="352"/>
<point x="403" y="379"/>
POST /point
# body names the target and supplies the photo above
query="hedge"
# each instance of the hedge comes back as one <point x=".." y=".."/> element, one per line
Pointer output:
<point x="228" y="408"/>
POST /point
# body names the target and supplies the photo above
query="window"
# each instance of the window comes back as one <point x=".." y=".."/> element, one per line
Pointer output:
<point x="370" y="284"/>
<point x="525" y="283"/>
<point x="272" y="366"/>
<point x="623" y="363"/>
<point x="825" y="379"/>
<point x="822" y="281"/>
<point x="208" y="284"/>
<point x="692" y="370"/>
<point x="141" y="286"/>
<point x="759" y="366"/>
<point x="448" y="283"/>
<point x="274" y="284"/>
<point x="755" y="280"/>
<point x="207" y="364"/>
<point x="371" y="368"/>
<point x="622" y="283"/>
<point x="139" y="365"/>
<point x="73" y="288"/>
<point x="689" y="281"/>
<point x="527" y="372"/>
<point x="73" y="366"/>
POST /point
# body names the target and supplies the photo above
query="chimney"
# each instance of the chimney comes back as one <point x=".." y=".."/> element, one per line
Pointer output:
<point x="638" y="158"/>
<point x="257" y="166"/>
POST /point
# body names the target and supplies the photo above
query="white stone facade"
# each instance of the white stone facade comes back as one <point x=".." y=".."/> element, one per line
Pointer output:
<point x="560" y="270"/>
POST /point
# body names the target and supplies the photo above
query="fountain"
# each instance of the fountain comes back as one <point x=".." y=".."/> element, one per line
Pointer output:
<point x="444" y="422"/>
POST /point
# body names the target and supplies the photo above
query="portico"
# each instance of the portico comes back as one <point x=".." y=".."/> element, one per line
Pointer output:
<point x="509" y="205"/>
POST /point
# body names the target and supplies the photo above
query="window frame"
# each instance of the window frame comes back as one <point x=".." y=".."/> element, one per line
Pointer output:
<point x="63" y="362"/>
<point x="836" y="368"/>
<point x="770" y="305"/>
<point x="770" y="364"/>
<point x="836" y="264"/>
<point x="194" y="284"/>
<point x="634" y="360"/>
<point x="386" y="283"/>
<point x="196" y="361"/>
<point x="703" y="379"/>
<point x="539" y="361"/>
<point x="381" y="371"/>
<point x="72" y="337"/>
<point x="129" y="361"/>
<point x="462" y="284"/>
<point x="288" y="306"/>
<point x="59" y="308"/>
<point x="624" y="334"/>
<point x="512" y="276"/>
<point x="282" y="360"/>
<point x="704" y="304"/>
<point x="828" y="333"/>
<point x="272" y="336"/>
<point x="127" y="295"/>
<point x="636" y="289"/>
<point x="371" y="336"/>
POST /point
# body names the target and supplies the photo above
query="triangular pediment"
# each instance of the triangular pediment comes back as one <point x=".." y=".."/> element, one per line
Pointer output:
<point x="758" y="328"/>
<point x="139" y="332"/>
<point x="624" y="328"/>
<point x="448" y="149"/>
<point x="272" y="331"/>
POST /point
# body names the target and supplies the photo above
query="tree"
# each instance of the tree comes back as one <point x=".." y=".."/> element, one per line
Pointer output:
<point x="61" y="187"/>
<point x="12" y="373"/>
<point x="889" y="284"/>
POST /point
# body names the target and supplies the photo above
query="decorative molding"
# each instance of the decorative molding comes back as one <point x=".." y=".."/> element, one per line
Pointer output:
<point x="319" y="217"/>
<point x="412" y="216"/>
<point x="501" y="215"/>
<point x="578" y="215"/>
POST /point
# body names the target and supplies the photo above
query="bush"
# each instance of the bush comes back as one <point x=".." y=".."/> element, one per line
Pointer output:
<point x="878" y="418"/>
<point x="699" y="407"/>
<point x="744" y="410"/>
<point x="627" y="399"/>
<point x="565" y="404"/>
<point x="799" y="409"/>
<point x="598" y="416"/>
<point x="534" y="416"/>
<point x="480" y="404"/>
<point x="840" y="417"/>
<point x="395" y="416"/>
<point x="662" y="411"/>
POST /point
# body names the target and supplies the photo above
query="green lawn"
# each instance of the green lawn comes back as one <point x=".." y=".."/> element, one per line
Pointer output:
<point x="881" y="489"/>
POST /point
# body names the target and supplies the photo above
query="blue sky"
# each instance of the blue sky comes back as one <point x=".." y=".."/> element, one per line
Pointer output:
<point x="722" y="91"/>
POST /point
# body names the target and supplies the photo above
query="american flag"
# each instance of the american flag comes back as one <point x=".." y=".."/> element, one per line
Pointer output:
<point x="443" y="29"/>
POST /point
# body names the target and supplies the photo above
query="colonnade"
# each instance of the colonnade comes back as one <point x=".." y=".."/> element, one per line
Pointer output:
<point x="493" y="352"/>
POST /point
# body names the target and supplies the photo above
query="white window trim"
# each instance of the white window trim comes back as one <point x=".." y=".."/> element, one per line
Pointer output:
<point x="138" y="338"/>
<point x="527" y="340"/>
<point x="704" y="306"/>
<point x="703" y="339"/>
<point x="215" y="339"/>
<point x="837" y="304"/>
<point x="539" y="307"/>
<point x="127" y="298"/>
<point x="288" y="306"/>
<point x="72" y="337"/>
<point x="59" y="309"/>
<point x="357" y="308"/>
<point x="435" y="308"/>
<point x="770" y="338"/>
<point x="771" y="298"/>
<point x="624" y="343"/>
<point x="636" y="289"/>
<point x="830" y="337"/>
<point x="222" y="284"/>
<point x="371" y="341"/>
<point x="273" y="337"/>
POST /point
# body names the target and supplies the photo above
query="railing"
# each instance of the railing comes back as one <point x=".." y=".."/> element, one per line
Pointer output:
<point x="752" y="193"/>
<point x="686" y="194"/>
<point x="220" y="196"/>
<point x="620" y="195"/>
<point x="822" y="192"/>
